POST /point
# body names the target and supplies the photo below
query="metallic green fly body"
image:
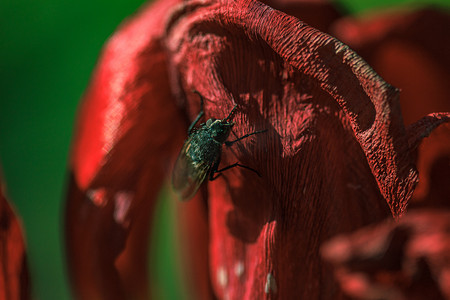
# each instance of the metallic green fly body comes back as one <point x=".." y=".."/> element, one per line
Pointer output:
<point x="201" y="153"/>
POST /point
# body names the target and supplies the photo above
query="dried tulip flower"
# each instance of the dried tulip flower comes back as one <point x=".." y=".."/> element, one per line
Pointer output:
<point x="336" y="155"/>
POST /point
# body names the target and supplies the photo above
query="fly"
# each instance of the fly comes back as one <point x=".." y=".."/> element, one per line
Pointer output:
<point x="201" y="153"/>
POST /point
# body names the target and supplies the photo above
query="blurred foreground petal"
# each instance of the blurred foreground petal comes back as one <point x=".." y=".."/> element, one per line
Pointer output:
<point x="14" y="276"/>
<point x="125" y="135"/>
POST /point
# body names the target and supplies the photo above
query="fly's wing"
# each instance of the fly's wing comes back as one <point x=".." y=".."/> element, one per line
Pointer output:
<point x="188" y="175"/>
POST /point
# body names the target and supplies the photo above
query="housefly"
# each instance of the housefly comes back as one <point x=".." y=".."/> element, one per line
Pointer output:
<point x="200" y="156"/>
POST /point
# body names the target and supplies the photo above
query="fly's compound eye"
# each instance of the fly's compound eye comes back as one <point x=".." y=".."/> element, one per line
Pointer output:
<point x="209" y="122"/>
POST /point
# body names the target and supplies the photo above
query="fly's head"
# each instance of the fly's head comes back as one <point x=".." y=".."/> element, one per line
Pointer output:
<point x="219" y="129"/>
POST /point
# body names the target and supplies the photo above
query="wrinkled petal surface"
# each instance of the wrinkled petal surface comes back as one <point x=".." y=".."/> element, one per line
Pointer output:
<point x="335" y="153"/>
<point x="409" y="49"/>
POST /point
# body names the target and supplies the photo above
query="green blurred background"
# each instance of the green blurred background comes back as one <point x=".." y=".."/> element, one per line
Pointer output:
<point x="48" y="49"/>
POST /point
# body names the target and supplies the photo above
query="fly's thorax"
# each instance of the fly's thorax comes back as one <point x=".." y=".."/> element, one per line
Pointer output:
<point x="219" y="130"/>
<point x="202" y="147"/>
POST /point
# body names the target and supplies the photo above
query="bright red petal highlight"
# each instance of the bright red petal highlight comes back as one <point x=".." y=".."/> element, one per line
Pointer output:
<point x="126" y="137"/>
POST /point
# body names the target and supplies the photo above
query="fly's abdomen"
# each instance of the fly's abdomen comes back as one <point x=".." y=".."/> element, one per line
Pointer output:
<point x="204" y="150"/>
<point x="188" y="174"/>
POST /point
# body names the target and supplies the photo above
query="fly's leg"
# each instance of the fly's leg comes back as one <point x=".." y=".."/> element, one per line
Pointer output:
<point x="214" y="169"/>
<point x="215" y="172"/>
<point x="199" y="116"/>
<point x="230" y="115"/>
<point x="219" y="172"/>
<point x="229" y="143"/>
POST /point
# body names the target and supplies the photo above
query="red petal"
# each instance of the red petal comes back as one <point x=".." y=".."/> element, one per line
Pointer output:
<point x="334" y="128"/>
<point x="125" y="139"/>
<point x="319" y="14"/>
<point x="405" y="260"/>
<point x="14" y="277"/>
<point x="410" y="50"/>
<point x="369" y="103"/>
<point x="193" y="246"/>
